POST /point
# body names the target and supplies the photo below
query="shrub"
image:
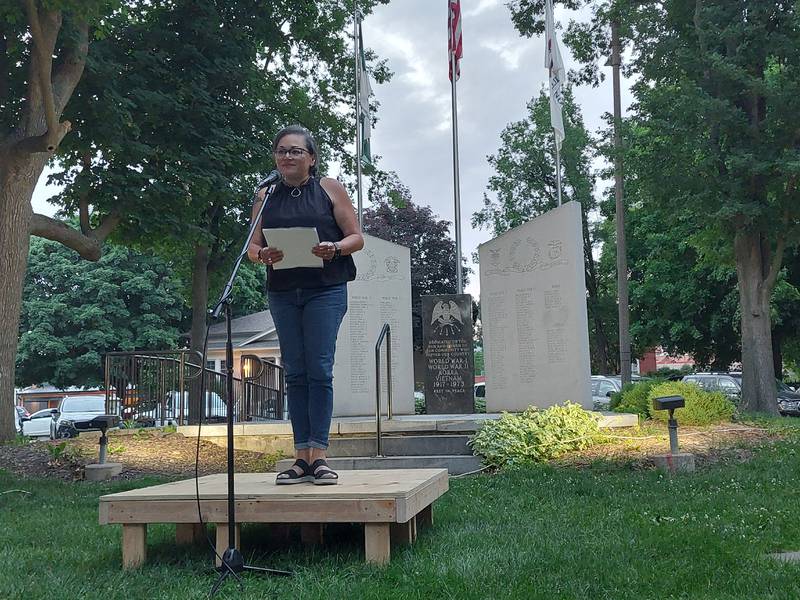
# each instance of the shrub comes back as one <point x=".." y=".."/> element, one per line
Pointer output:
<point x="702" y="407"/>
<point x="633" y="398"/>
<point x="535" y="435"/>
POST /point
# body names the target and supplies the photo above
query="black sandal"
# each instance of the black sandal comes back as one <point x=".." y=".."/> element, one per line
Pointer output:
<point x="290" y="475"/>
<point x="323" y="474"/>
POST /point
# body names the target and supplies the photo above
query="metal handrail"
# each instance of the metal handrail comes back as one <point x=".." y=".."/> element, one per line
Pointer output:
<point x="171" y="371"/>
<point x="386" y="332"/>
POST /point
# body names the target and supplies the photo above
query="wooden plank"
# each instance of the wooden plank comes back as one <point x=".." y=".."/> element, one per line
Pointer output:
<point x="374" y="484"/>
<point x="404" y="534"/>
<point x="435" y="487"/>
<point x="425" y="517"/>
<point x="377" y="546"/>
<point x="222" y="540"/>
<point x="311" y="534"/>
<point x="104" y="513"/>
<point x="134" y="545"/>
<point x="252" y="511"/>
<point x="189" y="533"/>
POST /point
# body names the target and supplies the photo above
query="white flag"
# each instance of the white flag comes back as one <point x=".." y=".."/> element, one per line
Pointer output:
<point x="364" y="91"/>
<point x="558" y="76"/>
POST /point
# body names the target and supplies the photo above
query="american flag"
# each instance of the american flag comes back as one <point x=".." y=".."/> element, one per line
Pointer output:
<point x="454" y="49"/>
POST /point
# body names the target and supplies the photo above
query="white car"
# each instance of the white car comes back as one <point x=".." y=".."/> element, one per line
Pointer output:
<point x="39" y="423"/>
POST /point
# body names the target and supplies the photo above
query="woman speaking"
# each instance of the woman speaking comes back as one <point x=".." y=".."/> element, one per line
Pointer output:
<point x="308" y="304"/>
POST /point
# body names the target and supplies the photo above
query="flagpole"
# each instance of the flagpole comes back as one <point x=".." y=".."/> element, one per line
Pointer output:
<point x="558" y="167"/>
<point x="359" y="142"/>
<point x="456" y="184"/>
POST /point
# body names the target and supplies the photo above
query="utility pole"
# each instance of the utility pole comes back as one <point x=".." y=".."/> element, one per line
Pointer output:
<point x="622" y="260"/>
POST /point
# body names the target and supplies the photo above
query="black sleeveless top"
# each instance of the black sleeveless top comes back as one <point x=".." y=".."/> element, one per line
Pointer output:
<point x="312" y="208"/>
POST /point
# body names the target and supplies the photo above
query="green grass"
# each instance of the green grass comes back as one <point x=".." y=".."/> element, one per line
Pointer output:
<point x="601" y="532"/>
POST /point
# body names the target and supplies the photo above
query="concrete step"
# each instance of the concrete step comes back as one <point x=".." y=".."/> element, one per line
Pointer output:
<point x="455" y="465"/>
<point x="400" y="445"/>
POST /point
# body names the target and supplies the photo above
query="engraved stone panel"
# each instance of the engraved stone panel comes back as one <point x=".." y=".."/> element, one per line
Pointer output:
<point x="380" y="294"/>
<point x="449" y="358"/>
<point x="533" y="314"/>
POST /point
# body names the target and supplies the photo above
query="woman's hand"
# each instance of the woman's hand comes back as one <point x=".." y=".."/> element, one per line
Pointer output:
<point x="270" y="256"/>
<point x="325" y="250"/>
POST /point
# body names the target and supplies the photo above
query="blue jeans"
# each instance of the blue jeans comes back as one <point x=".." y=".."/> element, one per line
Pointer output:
<point x="307" y="321"/>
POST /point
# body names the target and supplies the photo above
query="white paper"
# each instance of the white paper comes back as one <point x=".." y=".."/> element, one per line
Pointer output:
<point x="296" y="244"/>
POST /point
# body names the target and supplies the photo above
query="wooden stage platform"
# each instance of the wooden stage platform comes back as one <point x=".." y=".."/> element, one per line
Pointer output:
<point x="391" y="504"/>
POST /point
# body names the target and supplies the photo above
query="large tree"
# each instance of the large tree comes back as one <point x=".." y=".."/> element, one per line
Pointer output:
<point x="718" y="92"/>
<point x="43" y="52"/>
<point x="74" y="311"/>
<point x="43" y="48"/>
<point x="394" y="216"/>
<point x="524" y="187"/>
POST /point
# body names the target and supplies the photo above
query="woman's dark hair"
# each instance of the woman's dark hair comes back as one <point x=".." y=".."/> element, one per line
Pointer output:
<point x="311" y="145"/>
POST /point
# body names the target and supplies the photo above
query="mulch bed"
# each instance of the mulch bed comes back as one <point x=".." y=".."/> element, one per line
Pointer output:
<point x="710" y="445"/>
<point x="148" y="452"/>
<point x="143" y="452"/>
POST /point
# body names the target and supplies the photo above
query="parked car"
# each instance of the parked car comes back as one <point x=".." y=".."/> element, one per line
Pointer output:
<point x="39" y="423"/>
<point x="75" y="409"/>
<point x="730" y="384"/>
<point x="19" y="414"/>
<point x="605" y="385"/>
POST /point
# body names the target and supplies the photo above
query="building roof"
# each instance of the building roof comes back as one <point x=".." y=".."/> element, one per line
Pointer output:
<point x="250" y="331"/>
<point x="252" y="324"/>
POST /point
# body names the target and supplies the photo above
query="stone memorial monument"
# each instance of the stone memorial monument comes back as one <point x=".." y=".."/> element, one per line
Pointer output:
<point x="533" y="314"/>
<point x="380" y="294"/>
<point x="447" y="348"/>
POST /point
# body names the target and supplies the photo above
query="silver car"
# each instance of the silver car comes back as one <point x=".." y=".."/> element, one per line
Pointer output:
<point x="75" y="409"/>
<point x="603" y="386"/>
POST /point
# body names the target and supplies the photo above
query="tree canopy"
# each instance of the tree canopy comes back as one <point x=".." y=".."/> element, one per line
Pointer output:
<point x="184" y="98"/>
<point x="74" y="311"/>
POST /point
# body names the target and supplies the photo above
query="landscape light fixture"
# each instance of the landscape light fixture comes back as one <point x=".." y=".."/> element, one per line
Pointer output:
<point x="103" y="423"/>
<point x="670" y="403"/>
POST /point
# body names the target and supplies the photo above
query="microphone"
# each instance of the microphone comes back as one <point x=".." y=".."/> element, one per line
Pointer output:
<point x="269" y="180"/>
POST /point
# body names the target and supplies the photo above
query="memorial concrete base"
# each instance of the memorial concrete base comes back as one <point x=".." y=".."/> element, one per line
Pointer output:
<point x="680" y="462"/>
<point x="103" y="472"/>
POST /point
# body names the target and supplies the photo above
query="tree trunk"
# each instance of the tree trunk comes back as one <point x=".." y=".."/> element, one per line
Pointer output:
<point x="199" y="310"/>
<point x="758" y="381"/>
<point x="17" y="181"/>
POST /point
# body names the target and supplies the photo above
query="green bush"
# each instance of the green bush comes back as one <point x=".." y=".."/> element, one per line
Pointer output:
<point x="633" y="398"/>
<point x="535" y="435"/>
<point x="702" y="407"/>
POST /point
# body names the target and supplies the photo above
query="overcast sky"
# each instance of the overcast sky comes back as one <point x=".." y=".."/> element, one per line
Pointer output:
<point x="500" y="73"/>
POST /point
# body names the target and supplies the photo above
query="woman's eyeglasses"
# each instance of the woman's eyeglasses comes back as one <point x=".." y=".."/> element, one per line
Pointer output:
<point x="290" y="152"/>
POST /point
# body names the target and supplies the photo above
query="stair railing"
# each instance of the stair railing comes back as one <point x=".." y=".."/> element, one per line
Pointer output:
<point x="387" y="334"/>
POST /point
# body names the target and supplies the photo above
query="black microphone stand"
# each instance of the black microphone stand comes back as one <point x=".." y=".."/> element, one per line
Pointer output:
<point x="232" y="559"/>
